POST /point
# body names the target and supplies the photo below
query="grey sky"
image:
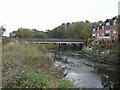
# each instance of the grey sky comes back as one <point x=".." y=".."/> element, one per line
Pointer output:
<point x="48" y="14"/>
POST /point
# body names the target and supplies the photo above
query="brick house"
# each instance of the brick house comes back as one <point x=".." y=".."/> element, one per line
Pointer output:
<point x="114" y="27"/>
<point x="107" y="31"/>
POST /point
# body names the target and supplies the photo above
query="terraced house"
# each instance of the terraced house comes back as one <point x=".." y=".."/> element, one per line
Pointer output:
<point x="106" y="32"/>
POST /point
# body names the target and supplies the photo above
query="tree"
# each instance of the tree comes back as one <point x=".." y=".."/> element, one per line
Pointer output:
<point x="39" y="34"/>
<point x="24" y="33"/>
<point x="34" y="30"/>
<point x="87" y="21"/>
<point x="12" y="34"/>
<point x="2" y="31"/>
<point x="76" y="30"/>
<point x="67" y="23"/>
<point x="63" y="24"/>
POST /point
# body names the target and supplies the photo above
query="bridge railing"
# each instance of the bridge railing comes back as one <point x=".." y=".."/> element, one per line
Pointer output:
<point x="51" y="40"/>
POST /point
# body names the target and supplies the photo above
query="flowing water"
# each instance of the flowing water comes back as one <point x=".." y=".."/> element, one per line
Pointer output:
<point x="85" y="73"/>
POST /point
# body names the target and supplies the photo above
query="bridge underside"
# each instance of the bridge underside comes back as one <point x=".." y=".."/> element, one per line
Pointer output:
<point x="65" y="45"/>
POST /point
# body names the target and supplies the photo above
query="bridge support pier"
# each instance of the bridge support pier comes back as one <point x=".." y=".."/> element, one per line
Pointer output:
<point x="80" y="46"/>
<point x="59" y="46"/>
<point x="64" y="46"/>
<point x="74" y="46"/>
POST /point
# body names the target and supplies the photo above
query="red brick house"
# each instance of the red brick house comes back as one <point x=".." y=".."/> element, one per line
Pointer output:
<point x="107" y="31"/>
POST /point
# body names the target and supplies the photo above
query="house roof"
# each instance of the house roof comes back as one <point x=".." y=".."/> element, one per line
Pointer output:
<point x="114" y="18"/>
<point x="107" y="20"/>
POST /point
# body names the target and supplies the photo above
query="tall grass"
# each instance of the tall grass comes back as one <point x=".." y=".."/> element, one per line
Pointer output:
<point x="27" y="66"/>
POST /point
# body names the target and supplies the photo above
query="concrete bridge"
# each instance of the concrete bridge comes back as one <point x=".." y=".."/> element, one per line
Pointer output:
<point x="58" y="42"/>
<point x="53" y="41"/>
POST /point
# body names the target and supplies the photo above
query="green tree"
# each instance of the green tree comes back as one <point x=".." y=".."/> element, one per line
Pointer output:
<point x="39" y="34"/>
<point x="12" y="34"/>
<point x="87" y="21"/>
<point x="2" y="31"/>
<point x="24" y="33"/>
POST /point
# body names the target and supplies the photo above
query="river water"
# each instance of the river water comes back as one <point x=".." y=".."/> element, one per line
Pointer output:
<point x="85" y="73"/>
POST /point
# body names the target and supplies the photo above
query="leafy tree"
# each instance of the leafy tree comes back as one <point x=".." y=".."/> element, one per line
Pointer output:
<point x="34" y="30"/>
<point x="67" y="23"/>
<point x="76" y="30"/>
<point x="2" y="31"/>
<point x="63" y="23"/>
<point x="39" y="34"/>
<point x="24" y="33"/>
<point x="87" y="21"/>
<point x="12" y="34"/>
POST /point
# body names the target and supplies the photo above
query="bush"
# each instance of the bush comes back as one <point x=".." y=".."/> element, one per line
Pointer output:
<point x="5" y="40"/>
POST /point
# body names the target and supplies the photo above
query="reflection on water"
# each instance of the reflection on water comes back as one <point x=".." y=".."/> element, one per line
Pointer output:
<point x="84" y="73"/>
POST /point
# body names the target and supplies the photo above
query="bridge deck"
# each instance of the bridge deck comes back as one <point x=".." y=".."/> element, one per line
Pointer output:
<point x="59" y="42"/>
<point x="54" y="41"/>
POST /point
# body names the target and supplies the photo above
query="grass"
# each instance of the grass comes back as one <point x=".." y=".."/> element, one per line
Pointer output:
<point x="28" y="66"/>
<point x="44" y="81"/>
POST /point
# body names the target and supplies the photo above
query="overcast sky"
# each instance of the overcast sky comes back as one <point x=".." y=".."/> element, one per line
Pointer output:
<point x="48" y="14"/>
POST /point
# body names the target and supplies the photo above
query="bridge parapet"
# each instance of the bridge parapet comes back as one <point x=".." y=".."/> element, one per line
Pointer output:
<point x="52" y="40"/>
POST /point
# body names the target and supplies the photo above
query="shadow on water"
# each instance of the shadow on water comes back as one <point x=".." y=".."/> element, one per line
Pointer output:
<point x="85" y="73"/>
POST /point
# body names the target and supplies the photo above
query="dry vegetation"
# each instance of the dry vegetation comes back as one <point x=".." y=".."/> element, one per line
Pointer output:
<point x="27" y="66"/>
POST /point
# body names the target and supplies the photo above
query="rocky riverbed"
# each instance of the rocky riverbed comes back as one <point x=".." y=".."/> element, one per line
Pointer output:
<point x="83" y="72"/>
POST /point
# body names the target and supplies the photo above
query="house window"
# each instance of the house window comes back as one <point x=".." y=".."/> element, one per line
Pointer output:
<point x="94" y="30"/>
<point x="97" y="28"/>
<point x="102" y="34"/>
<point x="107" y="34"/>
<point x="98" y="34"/>
<point x="102" y="27"/>
<point x="114" y="22"/>
<point x="108" y="23"/>
<point x="107" y="31"/>
<point x="107" y="27"/>
<point x="93" y="35"/>
<point x="114" y="31"/>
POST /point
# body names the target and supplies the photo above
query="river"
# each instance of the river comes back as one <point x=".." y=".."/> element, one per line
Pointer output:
<point x="85" y="73"/>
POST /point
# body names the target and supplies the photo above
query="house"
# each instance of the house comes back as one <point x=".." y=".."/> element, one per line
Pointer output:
<point x="114" y="29"/>
<point x="107" y="31"/>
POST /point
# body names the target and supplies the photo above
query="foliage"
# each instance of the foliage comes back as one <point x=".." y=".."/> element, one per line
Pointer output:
<point x="13" y="34"/>
<point x="27" y="33"/>
<point x="74" y="30"/>
<point x="26" y="66"/>
<point x="5" y="40"/>
<point x="24" y="33"/>
<point x="2" y="30"/>
<point x="78" y="30"/>
<point x="39" y="34"/>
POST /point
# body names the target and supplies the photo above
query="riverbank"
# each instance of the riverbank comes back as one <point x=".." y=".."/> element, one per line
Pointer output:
<point x="28" y="66"/>
<point x="101" y="54"/>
